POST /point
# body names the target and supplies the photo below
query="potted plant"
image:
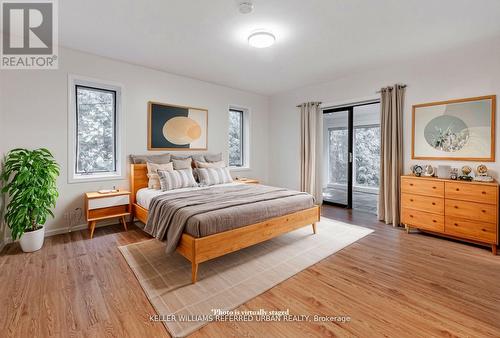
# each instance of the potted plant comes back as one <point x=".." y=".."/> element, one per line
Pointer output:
<point x="29" y="178"/>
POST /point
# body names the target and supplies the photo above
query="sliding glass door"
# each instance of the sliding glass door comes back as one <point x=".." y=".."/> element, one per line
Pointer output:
<point x="339" y="156"/>
<point x="352" y="156"/>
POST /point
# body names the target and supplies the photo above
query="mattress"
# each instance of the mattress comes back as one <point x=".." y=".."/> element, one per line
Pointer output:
<point x="145" y="195"/>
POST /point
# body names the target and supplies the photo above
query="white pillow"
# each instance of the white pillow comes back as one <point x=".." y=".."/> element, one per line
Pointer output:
<point x="219" y="164"/>
<point x="154" y="179"/>
<point x="213" y="176"/>
<point x="177" y="179"/>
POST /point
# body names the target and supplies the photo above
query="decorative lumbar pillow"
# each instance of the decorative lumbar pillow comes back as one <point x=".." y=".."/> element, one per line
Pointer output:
<point x="182" y="164"/>
<point x="213" y="157"/>
<point x="141" y="159"/>
<point x="154" y="179"/>
<point x="219" y="164"/>
<point x="212" y="176"/>
<point x="177" y="179"/>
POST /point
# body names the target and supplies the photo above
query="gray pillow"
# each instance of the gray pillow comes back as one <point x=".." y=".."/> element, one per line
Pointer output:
<point x="213" y="157"/>
<point x="182" y="164"/>
<point x="199" y="157"/>
<point x="177" y="179"/>
<point x="180" y="157"/>
<point x="158" y="159"/>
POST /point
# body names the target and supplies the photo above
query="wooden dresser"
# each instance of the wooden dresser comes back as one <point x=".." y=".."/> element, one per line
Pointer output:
<point x="457" y="209"/>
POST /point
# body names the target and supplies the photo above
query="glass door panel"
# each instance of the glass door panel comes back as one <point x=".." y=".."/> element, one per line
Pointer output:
<point x="337" y="148"/>
<point x="366" y="157"/>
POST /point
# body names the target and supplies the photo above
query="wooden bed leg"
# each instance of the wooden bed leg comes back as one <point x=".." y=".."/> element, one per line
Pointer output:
<point x="314" y="228"/>
<point x="194" y="271"/>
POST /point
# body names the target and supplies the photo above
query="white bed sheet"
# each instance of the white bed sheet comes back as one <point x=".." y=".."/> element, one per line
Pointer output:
<point x="145" y="195"/>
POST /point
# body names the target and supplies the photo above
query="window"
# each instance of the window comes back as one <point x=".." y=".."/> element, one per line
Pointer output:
<point x="96" y="130"/>
<point x="94" y="137"/>
<point x="236" y="138"/>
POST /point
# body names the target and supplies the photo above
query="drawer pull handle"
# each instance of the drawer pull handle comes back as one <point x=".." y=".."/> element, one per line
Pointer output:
<point x="433" y="203"/>
<point x="411" y="184"/>
<point x="456" y="206"/>
<point x="483" y="210"/>
<point x="411" y="216"/>
<point x="434" y="221"/>
<point x="411" y="199"/>
<point x="458" y="189"/>
<point x="433" y="187"/>
<point x="455" y="224"/>
<point x="483" y="230"/>
<point x="484" y="192"/>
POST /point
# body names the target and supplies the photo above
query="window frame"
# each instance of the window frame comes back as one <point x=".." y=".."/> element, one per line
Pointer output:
<point x="75" y="81"/>
<point x="245" y="130"/>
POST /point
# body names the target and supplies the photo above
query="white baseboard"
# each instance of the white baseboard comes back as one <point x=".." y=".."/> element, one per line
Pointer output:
<point x="58" y="231"/>
<point x="64" y="230"/>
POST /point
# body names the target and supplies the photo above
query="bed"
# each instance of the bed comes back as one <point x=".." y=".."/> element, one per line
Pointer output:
<point x="233" y="226"/>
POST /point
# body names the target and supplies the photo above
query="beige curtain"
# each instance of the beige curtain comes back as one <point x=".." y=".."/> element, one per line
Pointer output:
<point x="391" y="153"/>
<point x="311" y="148"/>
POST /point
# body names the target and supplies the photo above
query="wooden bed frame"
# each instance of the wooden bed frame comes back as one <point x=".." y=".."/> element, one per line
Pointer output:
<point x="199" y="250"/>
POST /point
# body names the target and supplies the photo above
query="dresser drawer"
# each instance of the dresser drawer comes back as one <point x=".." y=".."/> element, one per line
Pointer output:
<point x="481" y="231"/>
<point x="423" y="203"/>
<point x="422" y="187"/>
<point x="423" y="220"/>
<point x="471" y="210"/>
<point x="104" y="202"/>
<point x="471" y="192"/>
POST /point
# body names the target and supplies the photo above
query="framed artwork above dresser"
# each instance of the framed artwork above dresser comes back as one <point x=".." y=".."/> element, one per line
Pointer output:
<point x="460" y="130"/>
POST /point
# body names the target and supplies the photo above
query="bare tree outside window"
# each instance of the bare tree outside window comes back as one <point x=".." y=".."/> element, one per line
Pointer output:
<point x="96" y="130"/>
<point x="366" y="153"/>
<point x="236" y="138"/>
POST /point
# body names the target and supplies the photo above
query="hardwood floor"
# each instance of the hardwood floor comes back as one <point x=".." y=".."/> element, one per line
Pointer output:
<point x="389" y="283"/>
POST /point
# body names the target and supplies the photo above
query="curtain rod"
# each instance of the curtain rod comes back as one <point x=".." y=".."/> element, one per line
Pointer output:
<point x="300" y="105"/>
<point x="377" y="92"/>
<point x="380" y="91"/>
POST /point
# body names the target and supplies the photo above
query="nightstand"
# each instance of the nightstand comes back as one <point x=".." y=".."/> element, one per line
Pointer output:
<point x="246" y="180"/>
<point x="99" y="207"/>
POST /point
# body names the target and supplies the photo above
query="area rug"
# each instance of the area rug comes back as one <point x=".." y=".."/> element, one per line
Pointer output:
<point x="225" y="283"/>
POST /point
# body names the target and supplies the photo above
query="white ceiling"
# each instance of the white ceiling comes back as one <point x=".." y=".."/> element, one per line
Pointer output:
<point x="317" y="40"/>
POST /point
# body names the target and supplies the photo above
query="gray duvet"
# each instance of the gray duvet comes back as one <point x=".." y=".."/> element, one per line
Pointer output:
<point x="217" y="209"/>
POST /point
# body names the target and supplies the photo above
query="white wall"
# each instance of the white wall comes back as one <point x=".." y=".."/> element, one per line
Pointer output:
<point x="2" y="152"/>
<point x="35" y="105"/>
<point x="466" y="72"/>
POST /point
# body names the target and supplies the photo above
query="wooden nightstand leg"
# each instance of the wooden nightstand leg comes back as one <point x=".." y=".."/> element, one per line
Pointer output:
<point x="494" y="249"/>
<point x="314" y="228"/>
<point x="124" y="223"/>
<point x="92" y="228"/>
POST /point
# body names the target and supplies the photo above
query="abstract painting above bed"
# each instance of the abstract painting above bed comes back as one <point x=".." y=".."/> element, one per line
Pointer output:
<point x="172" y="127"/>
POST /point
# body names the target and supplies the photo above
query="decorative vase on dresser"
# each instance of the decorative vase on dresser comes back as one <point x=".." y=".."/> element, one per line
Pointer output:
<point x="458" y="209"/>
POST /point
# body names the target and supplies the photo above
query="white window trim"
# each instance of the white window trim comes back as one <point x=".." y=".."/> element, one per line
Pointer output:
<point x="247" y="120"/>
<point x="119" y="174"/>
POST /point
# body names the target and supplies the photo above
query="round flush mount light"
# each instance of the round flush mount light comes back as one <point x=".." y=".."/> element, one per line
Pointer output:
<point x="261" y="39"/>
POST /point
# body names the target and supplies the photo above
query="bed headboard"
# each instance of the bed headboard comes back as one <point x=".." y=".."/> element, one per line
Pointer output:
<point x="138" y="178"/>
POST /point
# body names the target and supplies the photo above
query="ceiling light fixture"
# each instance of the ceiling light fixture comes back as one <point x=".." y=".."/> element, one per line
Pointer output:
<point x="261" y="39"/>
